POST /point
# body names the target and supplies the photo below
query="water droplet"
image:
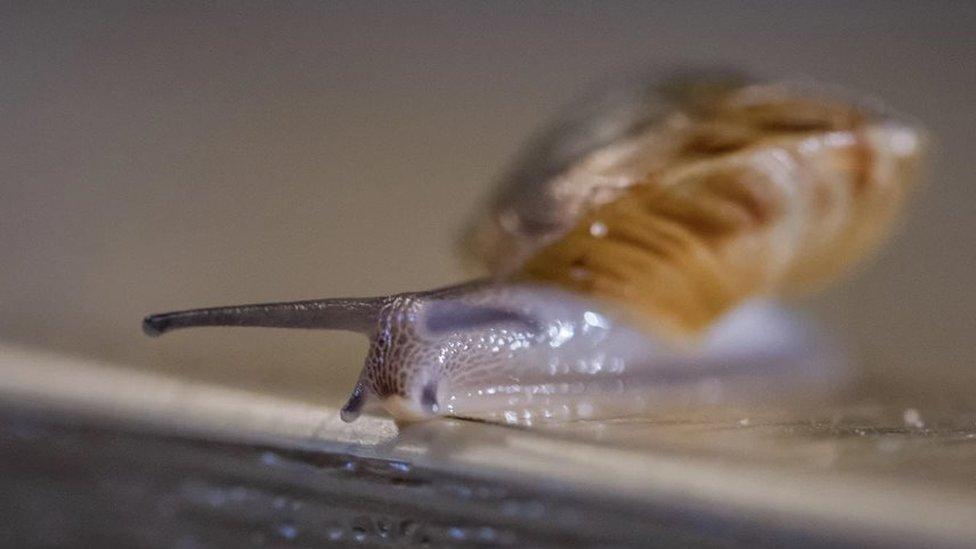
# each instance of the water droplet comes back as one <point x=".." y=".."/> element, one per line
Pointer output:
<point x="485" y="534"/>
<point x="913" y="418"/>
<point x="270" y="459"/>
<point x="400" y="466"/>
<point x="457" y="533"/>
<point x="288" y="531"/>
<point x="595" y="320"/>
<point x="598" y="229"/>
<point x="384" y="527"/>
<point x="334" y="533"/>
<point x="359" y="533"/>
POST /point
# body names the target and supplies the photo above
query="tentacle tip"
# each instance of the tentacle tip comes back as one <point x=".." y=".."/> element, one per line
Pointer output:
<point x="348" y="416"/>
<point x="154" y="325"/>
<point x="354" y="406"/>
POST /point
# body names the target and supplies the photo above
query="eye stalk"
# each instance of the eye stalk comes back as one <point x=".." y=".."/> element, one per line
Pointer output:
<point x="404" y="330"/>
<point x="354" y="315"/>
<point x="359" y="315"/>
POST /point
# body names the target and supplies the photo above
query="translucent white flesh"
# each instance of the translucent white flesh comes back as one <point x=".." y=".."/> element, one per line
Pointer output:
<point x="584" y="363"/>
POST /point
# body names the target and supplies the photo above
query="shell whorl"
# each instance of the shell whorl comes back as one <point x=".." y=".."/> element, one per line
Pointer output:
<point x="751" y="190"/>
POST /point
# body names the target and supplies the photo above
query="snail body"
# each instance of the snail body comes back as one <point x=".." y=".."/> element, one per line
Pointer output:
<point x="522" y="353"/>
<point x="634" y="254"/>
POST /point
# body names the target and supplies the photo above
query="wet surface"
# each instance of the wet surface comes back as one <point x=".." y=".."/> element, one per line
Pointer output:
<point x="93" y="455"/>
<point x="69" y="482"/>
<point x="900" y="445"/>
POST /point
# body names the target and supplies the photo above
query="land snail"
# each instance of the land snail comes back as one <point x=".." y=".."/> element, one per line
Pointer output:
<point x="636" y="255"/>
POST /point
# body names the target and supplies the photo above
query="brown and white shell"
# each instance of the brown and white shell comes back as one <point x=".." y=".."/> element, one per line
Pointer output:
<point x="680" y="200"/>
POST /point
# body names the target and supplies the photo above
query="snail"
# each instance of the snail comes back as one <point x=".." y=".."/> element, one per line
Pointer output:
<point x="636" y="254"/>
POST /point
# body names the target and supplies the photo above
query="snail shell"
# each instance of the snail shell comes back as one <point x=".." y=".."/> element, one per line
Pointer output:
<point x="633" y="253"/>
<point x="704" y="192"/>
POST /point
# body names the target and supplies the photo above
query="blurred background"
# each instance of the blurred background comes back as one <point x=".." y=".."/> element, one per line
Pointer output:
<point x="163" y="157"/>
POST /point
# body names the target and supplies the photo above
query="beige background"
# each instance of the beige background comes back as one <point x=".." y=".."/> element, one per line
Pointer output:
<point x="158" y="158"/>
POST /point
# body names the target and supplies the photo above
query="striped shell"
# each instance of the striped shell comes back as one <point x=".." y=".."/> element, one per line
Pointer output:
<point x="680" y="200"/>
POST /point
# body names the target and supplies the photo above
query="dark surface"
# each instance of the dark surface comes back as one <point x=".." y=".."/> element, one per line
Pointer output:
<point x="76" y="482"/>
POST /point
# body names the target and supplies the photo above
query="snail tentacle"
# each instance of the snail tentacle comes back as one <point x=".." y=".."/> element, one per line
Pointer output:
<point x="355" y="315"/>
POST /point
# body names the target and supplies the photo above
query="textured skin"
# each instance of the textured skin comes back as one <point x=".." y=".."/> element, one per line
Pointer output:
<point x="355" y="315"/>
<point x="725" y="193"/>
<point x="575" y="359"/>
